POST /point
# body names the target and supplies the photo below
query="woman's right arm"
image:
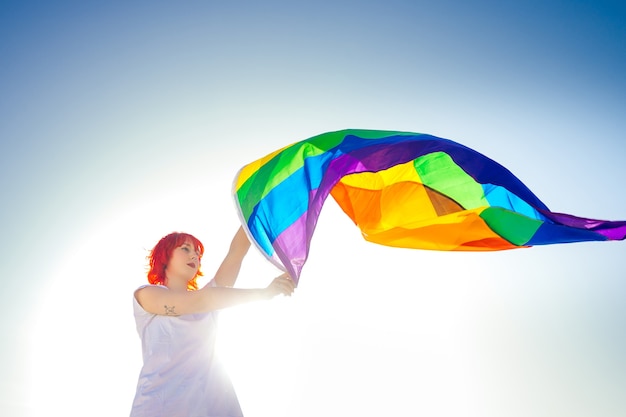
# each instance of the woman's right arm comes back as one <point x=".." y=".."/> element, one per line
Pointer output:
<point x="162" y="300"/>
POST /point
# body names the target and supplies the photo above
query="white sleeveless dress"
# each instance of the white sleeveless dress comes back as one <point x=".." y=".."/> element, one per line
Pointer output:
<point x="181" y="376"/>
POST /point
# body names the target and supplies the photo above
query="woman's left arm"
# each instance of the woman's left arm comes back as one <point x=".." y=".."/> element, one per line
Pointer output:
<point x="227" y="273"/>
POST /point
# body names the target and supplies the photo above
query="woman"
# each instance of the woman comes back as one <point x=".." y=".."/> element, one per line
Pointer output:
<point x="176" y="322"/>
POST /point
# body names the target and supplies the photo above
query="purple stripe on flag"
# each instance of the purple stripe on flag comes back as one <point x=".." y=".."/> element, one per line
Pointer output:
<point x="614" y="230"/>
<point x="291" y="246"/>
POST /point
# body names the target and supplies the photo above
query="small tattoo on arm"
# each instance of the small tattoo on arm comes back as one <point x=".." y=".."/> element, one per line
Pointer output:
<point x="170" y="311"/>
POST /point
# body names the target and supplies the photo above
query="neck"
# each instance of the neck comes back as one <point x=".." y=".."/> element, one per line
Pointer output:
<point x="178" y="284"/>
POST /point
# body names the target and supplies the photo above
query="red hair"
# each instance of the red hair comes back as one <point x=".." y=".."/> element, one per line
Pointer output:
<point x="162" y="252"/>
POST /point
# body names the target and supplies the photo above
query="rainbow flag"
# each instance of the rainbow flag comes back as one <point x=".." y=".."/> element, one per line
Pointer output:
<point x="401" y="189"/>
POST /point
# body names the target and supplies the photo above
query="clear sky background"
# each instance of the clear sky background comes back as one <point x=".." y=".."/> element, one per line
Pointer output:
<point x="124" y="121"/>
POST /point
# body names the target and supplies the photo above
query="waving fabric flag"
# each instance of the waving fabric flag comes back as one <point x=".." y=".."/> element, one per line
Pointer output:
<point x="401" y="189"/>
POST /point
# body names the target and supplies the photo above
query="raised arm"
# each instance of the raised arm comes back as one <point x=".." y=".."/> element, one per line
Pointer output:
<point x="227" y="273"/>
<point x="164" y="301"/>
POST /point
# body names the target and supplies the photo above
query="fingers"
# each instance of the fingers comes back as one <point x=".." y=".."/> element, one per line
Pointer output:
<point x="283" y="284"/>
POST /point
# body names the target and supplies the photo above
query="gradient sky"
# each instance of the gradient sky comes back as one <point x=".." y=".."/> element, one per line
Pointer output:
<point x="124" y="121"/>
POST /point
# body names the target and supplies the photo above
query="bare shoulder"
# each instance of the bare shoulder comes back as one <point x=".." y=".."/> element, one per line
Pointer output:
<point x="149" y="291"/>
<point x="157" y="299"/>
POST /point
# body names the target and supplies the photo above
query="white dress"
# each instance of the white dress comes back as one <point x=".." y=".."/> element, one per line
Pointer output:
<point x="181" y="377"/>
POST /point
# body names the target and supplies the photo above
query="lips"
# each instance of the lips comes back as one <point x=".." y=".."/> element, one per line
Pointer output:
<point x="191" y="265"/>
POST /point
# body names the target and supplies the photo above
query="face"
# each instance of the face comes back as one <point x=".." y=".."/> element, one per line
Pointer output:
<point x="184" y="262"/>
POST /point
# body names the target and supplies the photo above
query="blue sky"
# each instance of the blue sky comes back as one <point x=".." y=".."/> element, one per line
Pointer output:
<point x="123" y="122"/>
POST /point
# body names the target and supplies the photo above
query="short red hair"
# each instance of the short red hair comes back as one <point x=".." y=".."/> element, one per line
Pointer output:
<point x="162" y="252"/>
